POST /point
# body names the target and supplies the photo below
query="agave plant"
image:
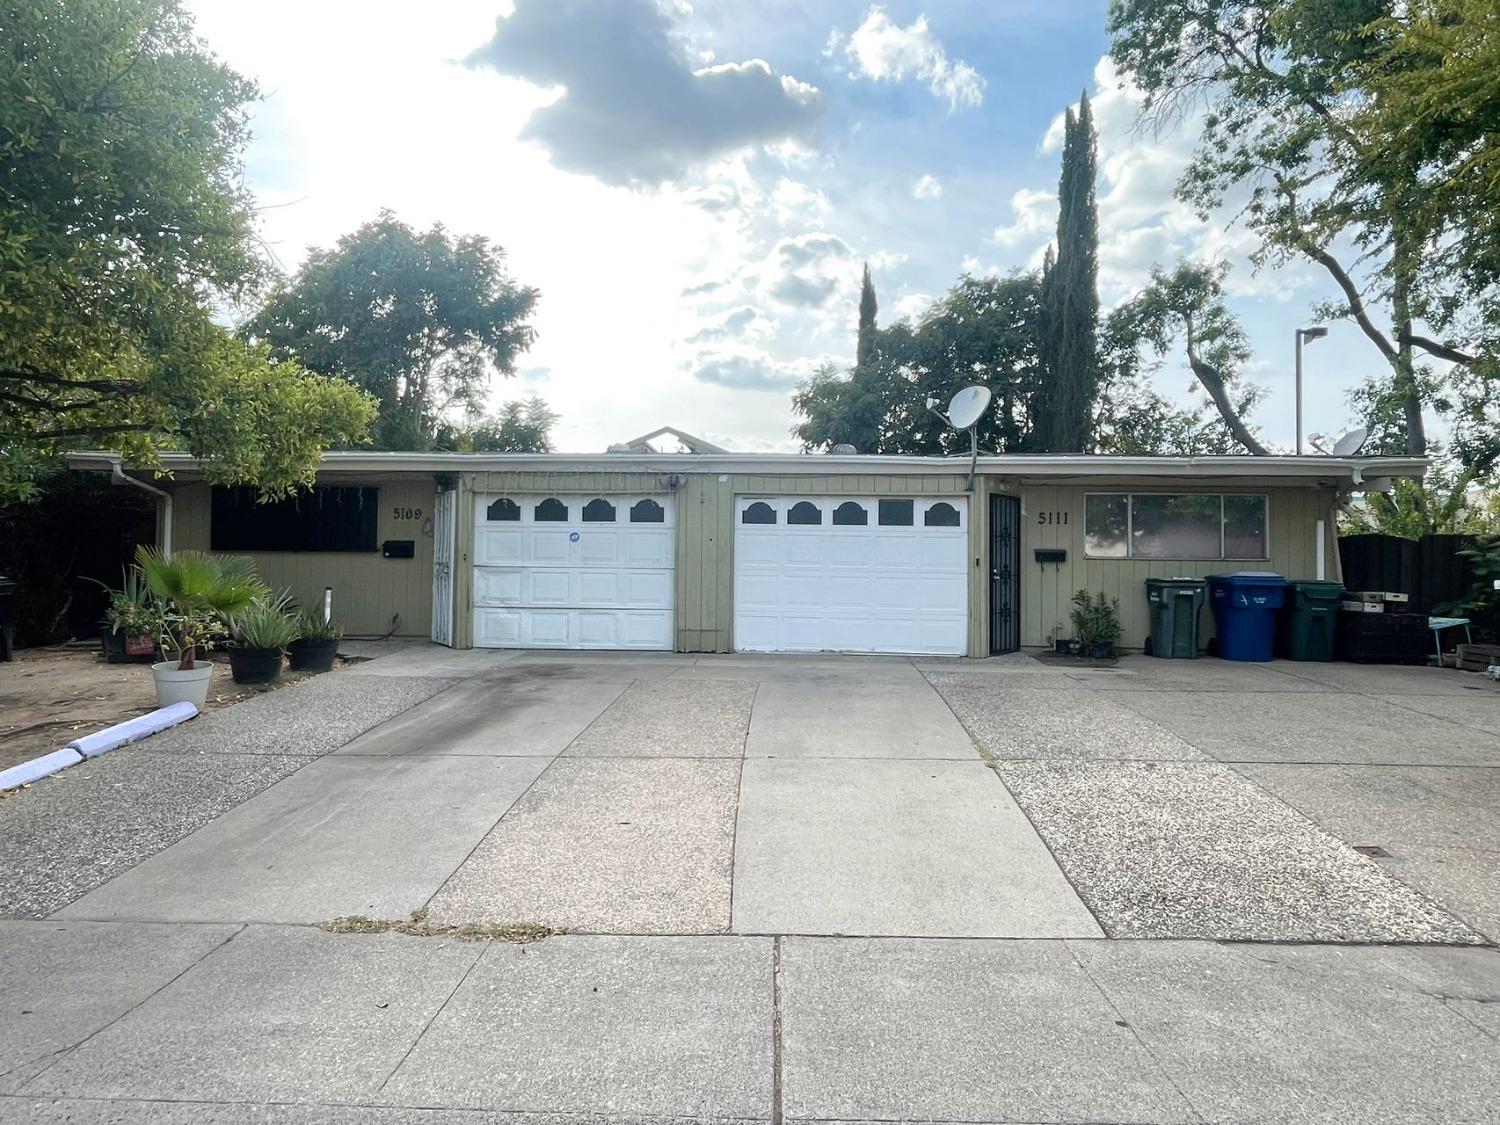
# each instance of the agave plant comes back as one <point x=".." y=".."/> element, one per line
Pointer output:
<point x="312" y="627"/>
<point x="197" y="594"/>
<point x="265" y="623"/>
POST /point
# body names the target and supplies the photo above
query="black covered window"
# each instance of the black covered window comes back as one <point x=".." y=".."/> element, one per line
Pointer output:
<point x="895" y="513"/>
<point x="647" y="511"/>
<point x="320" y="519"/>
<point x="804" y="512"/>
<point x="759" y="512"/>
<point x="551" y="510"/>
<point x="502" y="511"/>
<point x="599" y="511"/>
<point x="941" y="515"/>
<point x="850" y="514"/>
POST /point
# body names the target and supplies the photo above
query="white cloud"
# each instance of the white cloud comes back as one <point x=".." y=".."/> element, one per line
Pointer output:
<point x="1035" y="218"/>
<point x="885" y="51"/>
<point x="910" y="306"/>
<point x="927" y="187"/>
<point x="633" y="108"/>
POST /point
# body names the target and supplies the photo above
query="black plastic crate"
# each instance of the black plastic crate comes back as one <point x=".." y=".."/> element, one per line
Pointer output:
<point x="1384" y="638"/>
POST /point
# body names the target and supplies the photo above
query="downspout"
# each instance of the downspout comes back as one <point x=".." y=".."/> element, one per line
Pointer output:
<point x="163" y="504"/>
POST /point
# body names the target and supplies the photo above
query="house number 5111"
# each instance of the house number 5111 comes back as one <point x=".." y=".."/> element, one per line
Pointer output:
<point x="1054" y="519"/>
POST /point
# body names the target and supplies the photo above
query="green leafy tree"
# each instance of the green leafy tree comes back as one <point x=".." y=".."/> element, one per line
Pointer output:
<point x="523" y="426"/>
<point x="123" y="223"/>
<point x="420" y="320"/>
<point x="864" y="350"/>
<point x="1300" y="127"/>
<point x="1186" y="307"/>
<point x="1070" y="295"/>
<point x="982" y="332"/>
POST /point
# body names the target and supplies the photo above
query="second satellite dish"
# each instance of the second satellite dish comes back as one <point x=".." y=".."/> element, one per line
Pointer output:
<point x="967" y="406"/>
<point x="1351" y="443"/>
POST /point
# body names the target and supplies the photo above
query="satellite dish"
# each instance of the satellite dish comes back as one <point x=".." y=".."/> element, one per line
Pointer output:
<point x="1351" y="443"/>
<point x="967" y="406"/>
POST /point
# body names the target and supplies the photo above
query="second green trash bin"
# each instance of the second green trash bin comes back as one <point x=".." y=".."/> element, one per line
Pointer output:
<point x="1176" y="604"/>
<point x="1312" y="619"/>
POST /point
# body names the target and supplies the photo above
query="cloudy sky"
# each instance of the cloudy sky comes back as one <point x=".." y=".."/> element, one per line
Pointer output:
<point x="693" y="188"/>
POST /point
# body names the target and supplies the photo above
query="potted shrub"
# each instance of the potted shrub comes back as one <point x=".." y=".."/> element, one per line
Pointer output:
<point x="259" y="635"/>
<point x="1096" y="623"/>
<point x="317" y="645"/>
<point x="128" y="632"/>
<point x="195" y="594"/>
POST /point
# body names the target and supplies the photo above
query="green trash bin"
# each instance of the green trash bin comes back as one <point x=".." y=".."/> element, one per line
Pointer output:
<point x="1176" y="604"/>
<point x="1312" y="618"/>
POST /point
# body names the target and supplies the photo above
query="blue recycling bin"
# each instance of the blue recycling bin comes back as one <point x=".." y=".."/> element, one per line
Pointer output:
<point x="1246" y="606"/>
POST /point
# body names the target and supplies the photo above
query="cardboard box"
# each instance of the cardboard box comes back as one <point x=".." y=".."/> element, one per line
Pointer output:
<point x="1362" y="607"/>
<point x="1378" y="596"/>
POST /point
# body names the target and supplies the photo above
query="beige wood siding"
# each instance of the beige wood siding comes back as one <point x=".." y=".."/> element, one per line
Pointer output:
<point x="369" y="591"/>
<point x="1047" y="590"/>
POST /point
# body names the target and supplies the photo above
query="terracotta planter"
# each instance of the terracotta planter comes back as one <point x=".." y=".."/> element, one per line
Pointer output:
<point x="173" y="685"/>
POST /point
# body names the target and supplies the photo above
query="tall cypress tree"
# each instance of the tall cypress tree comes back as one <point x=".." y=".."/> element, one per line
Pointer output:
<point x="1070" y="294"/>
<point x="864" y="348"/>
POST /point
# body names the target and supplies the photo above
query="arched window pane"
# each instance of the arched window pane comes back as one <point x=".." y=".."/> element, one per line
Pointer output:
<point x="759" y="512"/>
<point x="941" y="515"/>
<point x="804" y="512"/>
<point x="647" y="511"/>
<point x="896" y="513"/>
<point x="551" y="510"/>
<point x="599" y="511"/>
<point x="503" y="510"/>
<point x="850" y="514"/>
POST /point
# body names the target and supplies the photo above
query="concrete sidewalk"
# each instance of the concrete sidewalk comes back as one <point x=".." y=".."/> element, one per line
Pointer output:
<point x="793" y="889"/>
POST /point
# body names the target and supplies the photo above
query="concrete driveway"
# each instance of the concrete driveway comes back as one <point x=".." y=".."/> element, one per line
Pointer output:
<point x="852" y="889"/>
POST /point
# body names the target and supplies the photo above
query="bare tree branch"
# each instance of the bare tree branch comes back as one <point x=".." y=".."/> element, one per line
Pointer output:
<point x="1434" y="347"/>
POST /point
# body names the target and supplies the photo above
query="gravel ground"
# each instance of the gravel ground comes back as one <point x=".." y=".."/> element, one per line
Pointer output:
<point x="1183" y="850"/>
<point x="675" y="719"/>
<point x="640" y="846"/>
<point x="72" y="832"/>
<point x="308" y="719"/>
<point x="1021" y="722"/>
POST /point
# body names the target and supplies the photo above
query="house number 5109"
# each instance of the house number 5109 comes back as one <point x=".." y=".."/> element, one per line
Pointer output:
<point x="406" y="513"/>
<point x="1055" y="519"/>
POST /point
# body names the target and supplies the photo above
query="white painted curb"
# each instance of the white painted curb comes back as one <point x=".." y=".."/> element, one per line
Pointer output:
<point x="100" y="742"/>
<point x="38" y="768"/>
<point x="132" y="730"/>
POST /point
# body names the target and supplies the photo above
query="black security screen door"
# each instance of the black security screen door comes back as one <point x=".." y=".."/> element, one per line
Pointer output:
<point x="1005" y="574"/>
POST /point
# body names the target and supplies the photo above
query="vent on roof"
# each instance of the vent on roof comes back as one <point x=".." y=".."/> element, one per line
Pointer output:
<point x="843" y="448"/>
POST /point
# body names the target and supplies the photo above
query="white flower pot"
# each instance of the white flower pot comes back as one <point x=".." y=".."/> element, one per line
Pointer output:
<point x="176" y="686"/>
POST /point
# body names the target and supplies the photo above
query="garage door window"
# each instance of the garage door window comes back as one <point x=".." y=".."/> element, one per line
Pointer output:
<point x="804" y="513"/>
<point x="896" y="513"/>
<point x="850" y="514"/>
<point x="646" y="511"/>
<point x="551" y="510"/>
<point x="759" y="512"/>
<point x="502" y="511"/>
<point x="598" y="511"/>
<point x="941" y="514"/>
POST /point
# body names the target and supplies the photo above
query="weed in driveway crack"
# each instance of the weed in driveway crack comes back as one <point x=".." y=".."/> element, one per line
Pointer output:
<point x="517" y="933"/>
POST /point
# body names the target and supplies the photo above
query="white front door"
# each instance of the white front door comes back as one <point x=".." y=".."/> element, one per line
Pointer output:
<point x="444" y="511"/>
<point x="851" y="574"/>
<point x="573" y="571"/>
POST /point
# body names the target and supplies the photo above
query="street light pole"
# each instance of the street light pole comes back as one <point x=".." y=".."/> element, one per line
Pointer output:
<point x="1304" y="334"/>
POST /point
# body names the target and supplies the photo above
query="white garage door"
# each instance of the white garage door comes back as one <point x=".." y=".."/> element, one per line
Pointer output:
<point x="573" y="572"/>
<point x="850" y="574"/>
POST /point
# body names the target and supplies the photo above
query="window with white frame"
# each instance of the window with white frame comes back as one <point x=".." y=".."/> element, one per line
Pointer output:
<point x="1189" y="526"/>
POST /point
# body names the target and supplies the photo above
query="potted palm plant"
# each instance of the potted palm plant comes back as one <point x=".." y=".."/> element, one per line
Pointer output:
<point x="317" y="645"/>
<point x="195" y="594"/>
<point x="259" y="635"/>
